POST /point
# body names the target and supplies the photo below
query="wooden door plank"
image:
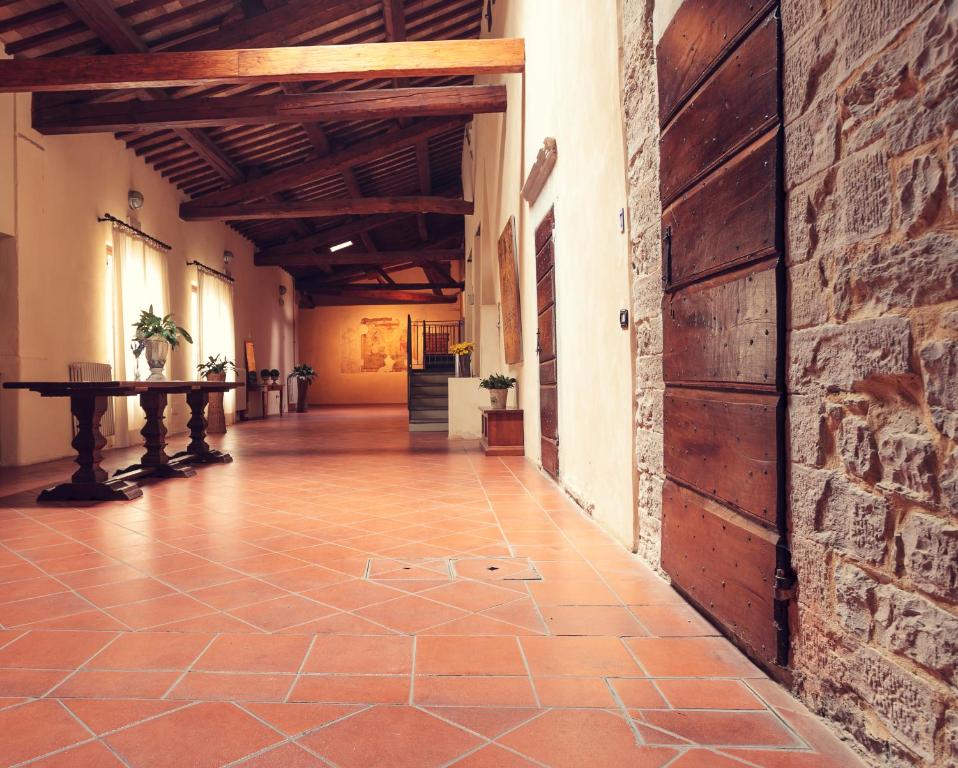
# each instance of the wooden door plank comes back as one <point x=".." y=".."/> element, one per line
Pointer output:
<point x="361" y="61"/>
<point x="547" y="340"/>
<point x="545" y="292"/>
<point x="724" y="563"/>
<point x="545" y="260"/>
<point x="724" y="330"/>
<point x="737" y="104"/>
<point x="729" y="219"/>
<point x="720" y="444"/>
<point x="700" y="35"/>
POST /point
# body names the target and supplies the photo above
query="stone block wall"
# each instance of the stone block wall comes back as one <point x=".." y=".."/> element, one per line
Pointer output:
<point x="871" y="153"/>
<point x="641" y="106"/>
<point x="871" y="113"/>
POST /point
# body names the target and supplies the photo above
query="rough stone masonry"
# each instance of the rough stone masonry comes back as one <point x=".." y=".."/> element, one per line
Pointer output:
<point x="871" y="156"/>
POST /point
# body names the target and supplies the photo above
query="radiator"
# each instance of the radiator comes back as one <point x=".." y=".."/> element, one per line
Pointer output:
<point x="96" y="372"/>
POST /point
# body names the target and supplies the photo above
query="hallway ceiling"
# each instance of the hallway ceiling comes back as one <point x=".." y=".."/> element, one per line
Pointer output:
<point x="385" y="165"/>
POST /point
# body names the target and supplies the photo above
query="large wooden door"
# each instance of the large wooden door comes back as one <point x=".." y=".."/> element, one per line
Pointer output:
<point x="546" y="345"/>
<point x="724" y="537"/>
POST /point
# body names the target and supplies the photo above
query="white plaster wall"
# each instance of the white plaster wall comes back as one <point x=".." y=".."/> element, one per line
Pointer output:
<point x="570" y="91"/>
<point x="466" y="399"/>
<point x="62" y="183"/>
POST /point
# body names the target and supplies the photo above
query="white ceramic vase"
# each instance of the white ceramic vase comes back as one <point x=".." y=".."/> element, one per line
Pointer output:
<point x="157" y="350"/>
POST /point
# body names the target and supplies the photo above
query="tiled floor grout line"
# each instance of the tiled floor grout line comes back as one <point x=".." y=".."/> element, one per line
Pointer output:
<point x="80" y="666"/>
<point x="189" y="668"/>
<point x="299" y="670"/>
<point x="774" y="710"/>
<point x="96" y="737"/>
<point x="639" y="740"/>
<point x="412" y="672"/>
<point x="525" y="663"/>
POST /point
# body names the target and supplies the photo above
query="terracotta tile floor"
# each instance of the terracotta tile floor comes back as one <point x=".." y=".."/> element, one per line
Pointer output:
<point x="346" y="594"/>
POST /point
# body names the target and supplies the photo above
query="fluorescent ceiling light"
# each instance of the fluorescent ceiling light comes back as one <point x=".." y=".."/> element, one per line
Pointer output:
<point x="340" y="246"/>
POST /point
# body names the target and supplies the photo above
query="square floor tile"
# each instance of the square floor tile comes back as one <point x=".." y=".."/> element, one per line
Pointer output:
<point x="254" y="653"/>
<point x="360" y="654"/>
<point x="202" y="736"/>
<point x="452" y="655"/>
<point x="398" y="737"/>
<point x="578" y="656"/>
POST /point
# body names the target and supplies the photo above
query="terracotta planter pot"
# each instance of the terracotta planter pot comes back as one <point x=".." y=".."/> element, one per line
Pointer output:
<point x="302" y="387"/>
<point x="215" y="415"/>
<point x="498" y="398"/>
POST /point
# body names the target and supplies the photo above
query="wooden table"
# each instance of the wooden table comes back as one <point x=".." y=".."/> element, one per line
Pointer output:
<point x="88" y="401"/>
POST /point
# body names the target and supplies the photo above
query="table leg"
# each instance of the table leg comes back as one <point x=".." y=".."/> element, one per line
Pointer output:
<point x="199" y="450"/>
<point x="155" y="457"/>
<point x="89" y="482"/>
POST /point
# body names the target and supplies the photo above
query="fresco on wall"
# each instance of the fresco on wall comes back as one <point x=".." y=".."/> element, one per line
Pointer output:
<point x="374" y="345"/>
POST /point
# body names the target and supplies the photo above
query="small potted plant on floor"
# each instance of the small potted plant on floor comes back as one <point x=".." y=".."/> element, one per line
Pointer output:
<point x="304" y="375"/>
<point x="274" y="375"/>
<point x="159" y="335"/>
<point x="215" y="369"/>
<point x="463" y="353"/>
<point x="498" y="385"/>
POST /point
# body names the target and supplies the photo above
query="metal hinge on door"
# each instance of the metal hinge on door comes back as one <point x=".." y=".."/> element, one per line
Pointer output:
<point x="666" y="258"/>
<point x="538" y="343"/>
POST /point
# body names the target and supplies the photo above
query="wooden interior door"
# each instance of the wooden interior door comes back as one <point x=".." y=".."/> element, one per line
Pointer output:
<point x="724" y="539"/>
<point x="546" y="345"/>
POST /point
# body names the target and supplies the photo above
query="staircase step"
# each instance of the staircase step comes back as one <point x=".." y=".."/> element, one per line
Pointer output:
<point x="430" y="390"/>
<point x="424" y="401"/>
<point x="428" y="414"/>
<point x="428" y="426"/>
<point x="422" y="377"/>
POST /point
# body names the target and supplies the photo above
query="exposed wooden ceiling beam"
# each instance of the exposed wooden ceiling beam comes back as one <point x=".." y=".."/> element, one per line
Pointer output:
<point x="101" y="17"/>
<point x="342" y="257"/>
<point x="305" y="172"/>
<point x="312" y="300"/>
<point x="395" y="20"/>
<point x="210" y="112"/>
<point x="332" y="236"/>
<point x="262" y="65"/>
<point x="298" y="209"/>
<point x="311" y="284"/>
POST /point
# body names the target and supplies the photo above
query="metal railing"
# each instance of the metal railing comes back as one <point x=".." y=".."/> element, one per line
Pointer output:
<point x="428" y="342"/>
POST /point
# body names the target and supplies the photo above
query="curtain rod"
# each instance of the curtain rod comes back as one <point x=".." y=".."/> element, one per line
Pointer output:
<point x="138" y="232"/>
<point x="221" y="275"/>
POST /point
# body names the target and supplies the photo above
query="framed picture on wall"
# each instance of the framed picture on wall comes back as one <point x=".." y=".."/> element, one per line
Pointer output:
<point x="250" y="355"/>
<point x="509" y="293"/>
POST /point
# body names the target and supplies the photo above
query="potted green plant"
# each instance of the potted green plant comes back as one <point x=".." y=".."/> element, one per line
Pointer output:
<point x="264" y="376"/>
<point x="215" y="369"/>
<point x="274" y="375"/>
<point x="498" y="385"/>
<point x="304" y="375"/>
<point x="159" y="335"/>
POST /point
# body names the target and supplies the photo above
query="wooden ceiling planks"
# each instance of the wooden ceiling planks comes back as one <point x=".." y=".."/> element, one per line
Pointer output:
<point x="246" y="152"/>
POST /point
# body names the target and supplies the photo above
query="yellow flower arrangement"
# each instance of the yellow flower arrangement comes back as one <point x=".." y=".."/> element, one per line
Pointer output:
<point x="462" y="348"/>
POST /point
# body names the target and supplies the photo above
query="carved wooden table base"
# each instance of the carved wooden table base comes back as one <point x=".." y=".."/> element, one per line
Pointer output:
<point x="88" y="403"/>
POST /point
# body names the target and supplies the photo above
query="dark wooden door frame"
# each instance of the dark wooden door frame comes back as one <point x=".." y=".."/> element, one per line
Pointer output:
<point x="547" y="344"/>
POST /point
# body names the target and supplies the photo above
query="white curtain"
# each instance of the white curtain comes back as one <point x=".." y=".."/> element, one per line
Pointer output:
<point x="139" y="280"/>
<point x="216" y="334"/>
